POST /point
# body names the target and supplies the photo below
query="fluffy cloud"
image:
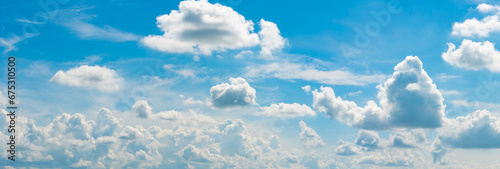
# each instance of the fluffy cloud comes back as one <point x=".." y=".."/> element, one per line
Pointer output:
<point x="142" y="109"/>
<point x="238" y="93"/>
<point x="407" y="139"/>
<point x="306" y="88"/>
<point x="271" y="39"/>
<point x="368" y="139"/>
<point x="346" y="149"/>
<point x="100" y="78"/>
<point x="480" y="129"/>
<point x="473" y="55"/>
<point x="202" y="27"/>
<point x="75" y="141"/>
<point x="309" y="137"/>
<point x="409" y="99"/>
<point x="482" y="28"/>
<point x="287" y="110"/>
<point x="486" y="8"/>
<point x="294" y="71"/>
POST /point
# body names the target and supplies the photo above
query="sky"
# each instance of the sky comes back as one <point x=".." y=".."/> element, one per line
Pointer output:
<point x="253" y="84"/>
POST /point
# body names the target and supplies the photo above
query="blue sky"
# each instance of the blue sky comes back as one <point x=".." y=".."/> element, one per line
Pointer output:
<point x="238" y="83"/>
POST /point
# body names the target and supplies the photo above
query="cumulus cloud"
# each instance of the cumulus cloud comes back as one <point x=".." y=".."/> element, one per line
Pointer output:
<point x="295" y="71"/>
<point x="287" y="110"/>
<point x="76" y="141"/>
<point x="238" y="93"/>
<point x="346" y="149"/>
<point x="409" y="99"/>
<point x="481" y="28"/>
<point x="202" y="27"/>
<point x="309" y="137"/>
<point x="100" y="78"/>
<point x="473" y="55"/>
<point x="368" y="139"/>
<point x="480" y="129"/>
<point x="142" y="109"/>
<point x="404" y="139"/>
<point x="271" y="40"/>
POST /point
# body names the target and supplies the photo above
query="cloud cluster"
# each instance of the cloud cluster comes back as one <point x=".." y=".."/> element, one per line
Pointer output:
<point x="238" y="93"/>
<point x="78" y="142"/>
<point x="473" y="55"/>
<point x="309" y="137"/>
<point x="481" y="28"/>
<point x="409" y="99"/>
<point x="287" y="110"/>
<point x="202" y="27"/>
<point x="100" y="78"/>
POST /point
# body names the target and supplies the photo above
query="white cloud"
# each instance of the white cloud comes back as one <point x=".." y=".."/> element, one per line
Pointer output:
<point x="407" y="139"/>
<point x="238" y="93"/>
<point x="100" y="78"/>
<point x="473" y="55"/>
<point x="196" y="58"/>
<point x="86" y="30"/>
<point x="142" y="109"/>
<point x="354" y="93"/>
<point x="271" y="40"/>
<point x="449" y="92"/>
<point x="479" y="130"/>
<point x="287" y="110"/>
<point x="486" y="8"/>
<point x="409" y="99"/>
<point x="190" y="101"/>
<point x="294" y="71"/>
<point x="184" y="72"/>
<point x="476" y="105"/>
<point x="202" y="27"/>
<point x="368" y="139"/>
<point x="309" y="137"/>
<point x="188" y="118"/>
<point x="481" y="28"/>
<point x="243" y="54"/>
<point x="346" y="149"/>
<point x="306" y="88"/>
<point x="9" y="43"/>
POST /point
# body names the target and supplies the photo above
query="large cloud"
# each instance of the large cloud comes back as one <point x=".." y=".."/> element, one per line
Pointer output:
<point x="287" y="110"/>
<point x="202" y="27"/>
<point x="77" y="142"/>
<point x="100" y="78"/>
<point x="238" y="93"/>
<point x="482" y="28"/>
<point x="271" y="40"/>
<point x="479" y="130"/>
<point x="309" y="137"/>
<point x="473" y="55"/>
<point x="409" y="99"/>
